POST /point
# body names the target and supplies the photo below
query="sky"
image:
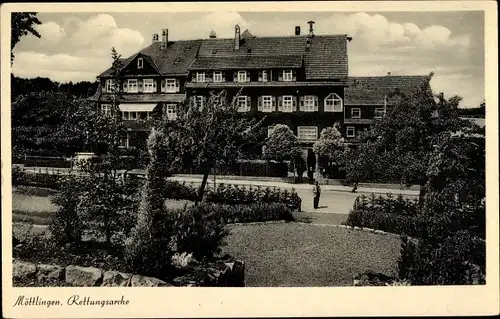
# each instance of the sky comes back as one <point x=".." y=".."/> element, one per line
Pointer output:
<point x="76" y="46"/>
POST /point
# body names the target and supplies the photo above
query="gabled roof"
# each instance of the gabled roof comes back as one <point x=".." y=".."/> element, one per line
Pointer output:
<point x="246" y="62"/>
<point x="174" y="60"/>
<point x="372" y="90"/>
<point x="325" y="59"/>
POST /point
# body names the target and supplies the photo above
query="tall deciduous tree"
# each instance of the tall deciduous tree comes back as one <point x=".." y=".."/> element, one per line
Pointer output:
<point x="403" y="140"/>
<point x="209" y="134"/>
<point x="22" y="23"/>
<point x="330" y="147"/>
<point x="283" y="145"/>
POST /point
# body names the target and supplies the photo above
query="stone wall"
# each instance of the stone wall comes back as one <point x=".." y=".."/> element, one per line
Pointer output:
<point x="219" y="274"/>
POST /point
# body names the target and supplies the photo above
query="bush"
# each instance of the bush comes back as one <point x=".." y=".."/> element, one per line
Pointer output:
<point x="393" y="215"/>
<point x="459" y="259"/>
<point x="199" y="231"/>
<point x="66" y="226"/>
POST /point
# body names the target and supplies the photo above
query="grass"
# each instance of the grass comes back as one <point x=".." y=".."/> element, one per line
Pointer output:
<point x="299" y="255"/>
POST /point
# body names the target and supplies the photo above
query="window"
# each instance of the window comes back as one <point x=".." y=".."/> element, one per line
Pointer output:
<point x="199" y="100"/>
<point x="307" y="133"/>
<point x="140" y="63"/>
<point x="171" y="111"/>
<point x="109" y="85"/>
<point x="333" y="103"/>
<point x="263" y="76"/>
<point x="170" y="84"/>
<point x="132" y="115"/>
<point x="287" y="75"/>
<point x="242" y="76"/>
<point x="350" y="131"/>
<point x="125" y="115"/>
<point x="355" y="113"/>
<point x="243" y="104"/>
<point x="309" y="103"/>
<point x="149" y="86"/>
<point x="132" y="86"/>
<point x="106" y="109"/>
<point x="267" y="103"/>
<point x="287" y="105"/>
<point x="200" y="76"/>
<point x="379" y="112"/>
<point x="217" y="76"/>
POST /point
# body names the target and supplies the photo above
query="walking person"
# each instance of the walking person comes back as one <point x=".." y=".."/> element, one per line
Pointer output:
<point x="316" y="193"/>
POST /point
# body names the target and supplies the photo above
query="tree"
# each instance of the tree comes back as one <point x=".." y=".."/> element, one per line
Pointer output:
<point x="330" y="147"/>
<point x="22" y="23"/>
<point x="283" y="145"/>
<point x="208" y="135"/>
<point x="402" y="141"/>
<point x="107" y="194"/>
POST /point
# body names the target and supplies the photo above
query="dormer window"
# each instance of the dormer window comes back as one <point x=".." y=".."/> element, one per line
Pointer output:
<point x="287" y="75"/>
<point x="218" y="76"/>
<point x="263" y="76"/>
<point x="140" y="63"/>
<point x="200" y="76"/>
<point x="242" y="76"/>
<point x="177" y="61"/>
<point x="333" y="103"/>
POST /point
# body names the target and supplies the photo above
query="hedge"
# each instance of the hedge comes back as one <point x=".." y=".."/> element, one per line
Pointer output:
<point x="233" y="194"/>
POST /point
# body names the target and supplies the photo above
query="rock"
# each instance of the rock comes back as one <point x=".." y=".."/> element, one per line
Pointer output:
<point x="83" y="276"/>
<point x="49" y="272"/>
<point x="143" y="281"/>
<point x="116" y="279"/>
<point x="21" y="269"/>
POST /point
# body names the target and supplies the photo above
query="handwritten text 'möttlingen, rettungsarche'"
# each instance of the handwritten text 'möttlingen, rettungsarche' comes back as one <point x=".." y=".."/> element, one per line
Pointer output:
<point x="74" y="300"/>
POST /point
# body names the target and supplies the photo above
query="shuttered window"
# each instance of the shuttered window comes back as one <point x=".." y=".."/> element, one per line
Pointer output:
<point x="244" y="104"/>
<point x="132" y="86"/>
<point x="149" y="86"/>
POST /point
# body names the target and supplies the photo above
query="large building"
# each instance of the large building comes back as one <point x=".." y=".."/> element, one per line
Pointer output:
<point x="300" y="80"/>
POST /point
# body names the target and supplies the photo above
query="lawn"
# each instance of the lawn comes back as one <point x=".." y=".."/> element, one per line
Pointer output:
<point x="300" y="255"/>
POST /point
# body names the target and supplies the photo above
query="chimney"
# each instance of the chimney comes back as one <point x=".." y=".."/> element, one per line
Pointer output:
<point x="297" y="30"/>
<point x="388" y="73"/>
<point x="164" y="38"/>
<point x="311" y="29"/>
<point x="212" y="35"/>
<point x="155" y="37"/>
<point x="237" y="37"/>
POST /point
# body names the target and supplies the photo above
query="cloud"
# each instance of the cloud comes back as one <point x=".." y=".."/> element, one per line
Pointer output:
<point x="80" y="52"/>
<point x="101" y="31"/>
<point x="50" y="31"/>
<point x="58" y="67"/>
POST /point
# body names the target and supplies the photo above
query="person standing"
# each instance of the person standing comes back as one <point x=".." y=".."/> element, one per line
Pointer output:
<point x="316" y="193"/>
